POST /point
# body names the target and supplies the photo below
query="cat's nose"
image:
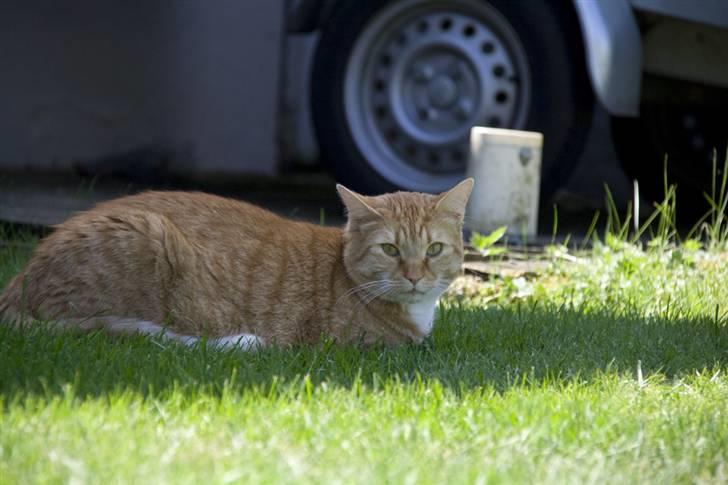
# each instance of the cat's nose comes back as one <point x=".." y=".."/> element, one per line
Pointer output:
<point x="413" y="273"/>
<point x="413" y="279"/>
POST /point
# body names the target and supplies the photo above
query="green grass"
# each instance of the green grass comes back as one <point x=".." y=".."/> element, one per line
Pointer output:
<point x="610" y="369"/>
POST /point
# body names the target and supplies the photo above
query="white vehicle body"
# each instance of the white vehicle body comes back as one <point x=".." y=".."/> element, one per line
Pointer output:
<point x="690" y="42"/>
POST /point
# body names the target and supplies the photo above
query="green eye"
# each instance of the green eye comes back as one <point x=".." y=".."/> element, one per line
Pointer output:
<point x="434" y="249"/>
<point x="390" y="250"/>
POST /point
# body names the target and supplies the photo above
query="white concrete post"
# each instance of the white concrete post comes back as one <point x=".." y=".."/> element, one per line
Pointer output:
<point x="506" y="165"/>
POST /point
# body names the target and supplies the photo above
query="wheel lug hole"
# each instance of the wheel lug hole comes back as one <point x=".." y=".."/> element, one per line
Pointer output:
<point x="379" y="85"/>
<point x="487" y="47"/>
<point x="469" y="31"/>
<point x="499" y="71"/>
<point x="422" y="26"/>
<point x="501" y="97"/>
<point x="446" y="24"/>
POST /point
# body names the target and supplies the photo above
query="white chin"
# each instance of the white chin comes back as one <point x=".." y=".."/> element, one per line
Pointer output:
<point x="411" y="297"/>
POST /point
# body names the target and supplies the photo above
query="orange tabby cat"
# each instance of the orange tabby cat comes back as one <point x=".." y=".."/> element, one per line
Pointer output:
<point x="183" y="265"/>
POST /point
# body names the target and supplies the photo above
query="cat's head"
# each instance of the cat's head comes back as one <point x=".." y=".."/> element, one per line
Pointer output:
<point x="405" y="247"/>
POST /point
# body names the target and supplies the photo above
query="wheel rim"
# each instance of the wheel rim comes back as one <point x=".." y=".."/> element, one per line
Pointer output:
<point x="420" y="75"/>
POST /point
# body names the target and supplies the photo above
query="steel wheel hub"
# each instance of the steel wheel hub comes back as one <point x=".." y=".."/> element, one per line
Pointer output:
<point x="421" y="74"/>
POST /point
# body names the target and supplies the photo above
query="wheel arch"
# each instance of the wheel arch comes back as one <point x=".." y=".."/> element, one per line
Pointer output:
<point x="309" y="15"/>
<point x="613" y="50"/>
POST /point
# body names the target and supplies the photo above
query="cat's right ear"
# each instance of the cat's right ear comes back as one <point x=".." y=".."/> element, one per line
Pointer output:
<point x="356" y="204"/>
<point x="454" y="200"/>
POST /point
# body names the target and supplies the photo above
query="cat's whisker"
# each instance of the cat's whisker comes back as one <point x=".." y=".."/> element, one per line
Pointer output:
<point x="352" y="292"/>
<point x="374" y="294"/>
<point x="364" y="287"/>
<point x="372" y="291"/>
<point x="377" y="295"/>
<point x="364" y="293"/>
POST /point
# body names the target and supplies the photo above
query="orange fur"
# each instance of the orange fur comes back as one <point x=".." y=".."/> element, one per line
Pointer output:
<point x="199" y="264"/>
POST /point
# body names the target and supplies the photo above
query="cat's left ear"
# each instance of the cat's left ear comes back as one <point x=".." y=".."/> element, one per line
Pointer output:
<point x="356" y="204"/>
<point x="454" y="200"/>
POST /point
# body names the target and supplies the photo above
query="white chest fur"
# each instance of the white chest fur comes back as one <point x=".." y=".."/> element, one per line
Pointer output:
<point x="423" y="314"/>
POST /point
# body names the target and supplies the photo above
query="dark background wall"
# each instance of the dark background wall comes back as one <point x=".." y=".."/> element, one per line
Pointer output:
<point x="89" y="78"/>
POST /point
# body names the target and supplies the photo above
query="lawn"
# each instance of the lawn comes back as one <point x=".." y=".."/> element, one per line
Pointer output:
<point x="606" y="366"/>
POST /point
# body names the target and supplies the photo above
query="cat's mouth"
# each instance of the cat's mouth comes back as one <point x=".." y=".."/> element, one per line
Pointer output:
<point x="412" y="296"/>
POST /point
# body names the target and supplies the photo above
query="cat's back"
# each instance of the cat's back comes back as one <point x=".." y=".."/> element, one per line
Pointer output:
<point x="192" y="212"/>
<point x="204" y="219"/>
<point x="208" y="223"/>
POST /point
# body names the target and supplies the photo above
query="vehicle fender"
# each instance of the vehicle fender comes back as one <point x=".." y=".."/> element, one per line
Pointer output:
<point x="613" y="48"/>
<point x="303" y="16"/>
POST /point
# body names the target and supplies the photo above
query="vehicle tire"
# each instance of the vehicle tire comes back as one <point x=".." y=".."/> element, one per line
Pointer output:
<point x="397" y="86"/>
<point x="688" y="134"/>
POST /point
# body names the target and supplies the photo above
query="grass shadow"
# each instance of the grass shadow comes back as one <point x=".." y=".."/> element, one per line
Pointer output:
<point x="469" y="348"/>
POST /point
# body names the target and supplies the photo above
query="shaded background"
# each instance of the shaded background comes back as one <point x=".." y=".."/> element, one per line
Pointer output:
<point x="106" y="98"/>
